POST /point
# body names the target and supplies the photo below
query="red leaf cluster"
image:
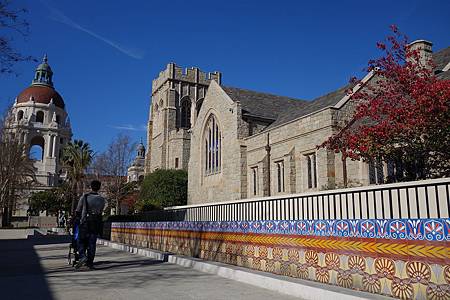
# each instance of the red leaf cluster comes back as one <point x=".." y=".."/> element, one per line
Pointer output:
<point x="403" y="109"/>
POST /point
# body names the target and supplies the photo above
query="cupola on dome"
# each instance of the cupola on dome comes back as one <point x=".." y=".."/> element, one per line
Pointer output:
<point x="41" y="89"/>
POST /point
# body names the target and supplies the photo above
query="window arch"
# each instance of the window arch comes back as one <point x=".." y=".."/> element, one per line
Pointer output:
<point x="37" y="146"/>
<point x="40" y="117"/>
<point x="185" y="113"/>
<point x="213" y="146"/>
<point x="20" y="115"/>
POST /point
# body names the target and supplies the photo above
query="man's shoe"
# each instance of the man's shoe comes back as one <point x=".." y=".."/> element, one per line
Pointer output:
<point x="81" y="262"/>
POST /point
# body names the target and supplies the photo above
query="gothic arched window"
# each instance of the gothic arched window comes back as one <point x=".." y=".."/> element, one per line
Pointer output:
<point x="185" y="113"/>
<point x="213" y="146"/>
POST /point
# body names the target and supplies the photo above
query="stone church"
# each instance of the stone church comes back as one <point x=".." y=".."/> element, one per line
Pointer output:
<point x="238" y="144"/>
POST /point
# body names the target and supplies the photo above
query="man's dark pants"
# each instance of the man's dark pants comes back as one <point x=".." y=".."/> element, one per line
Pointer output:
<point x="87" y="247"/>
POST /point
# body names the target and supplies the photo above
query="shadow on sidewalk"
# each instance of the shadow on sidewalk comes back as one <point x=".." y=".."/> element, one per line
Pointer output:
<point x="21" y="273"/>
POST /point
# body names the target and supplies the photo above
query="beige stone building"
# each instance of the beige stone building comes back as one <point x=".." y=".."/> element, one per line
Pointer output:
<point x="38" y="118"/>
<point x="238" y="144"/>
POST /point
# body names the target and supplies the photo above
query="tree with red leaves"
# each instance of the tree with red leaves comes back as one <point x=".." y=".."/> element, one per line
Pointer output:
<point x="401" y="116"/>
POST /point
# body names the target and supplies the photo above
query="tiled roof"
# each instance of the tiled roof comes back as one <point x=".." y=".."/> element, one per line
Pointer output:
<point x="317" y="104"/>
<point x="441" y="58"/>
<point x="263" y="105"/>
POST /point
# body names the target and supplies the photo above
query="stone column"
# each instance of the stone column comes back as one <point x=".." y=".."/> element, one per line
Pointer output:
<point x="50" y="146"/>
<point x="54" y="146"/>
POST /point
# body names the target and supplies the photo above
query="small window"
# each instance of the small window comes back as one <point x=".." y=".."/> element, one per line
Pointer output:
<point x="251" y="128"/>
<point x="185" y="113"/>
<point x="198" y="106"/>
<point x="20" y="115"/>
<point x="40" y="117"/>
<point x="255" y="180"/>
<point x="312" y="170"/>
<point x="176" y="162"/>
<point x="376" y="174"/>
<point x="280" y="176"/>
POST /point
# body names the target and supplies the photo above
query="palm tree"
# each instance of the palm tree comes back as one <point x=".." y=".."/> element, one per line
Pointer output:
<point x="77" y="156"/>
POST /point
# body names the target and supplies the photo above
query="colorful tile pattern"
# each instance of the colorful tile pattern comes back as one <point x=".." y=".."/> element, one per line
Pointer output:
<point x="405" y="229"/>
<point x="407" y="259"/>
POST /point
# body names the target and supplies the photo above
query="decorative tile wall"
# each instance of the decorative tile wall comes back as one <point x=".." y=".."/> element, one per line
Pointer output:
<point x="407" y="259"/>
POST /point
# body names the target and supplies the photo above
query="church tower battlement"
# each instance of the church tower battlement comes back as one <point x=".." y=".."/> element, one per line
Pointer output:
<point x="189" y="75"/>
<point x="177" y="96"/>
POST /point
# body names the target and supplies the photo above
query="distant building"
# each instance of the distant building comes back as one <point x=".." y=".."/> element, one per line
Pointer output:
<point x="39" y="118"/>
<point x="238" y="144"/>
<point x="137" y="169"/>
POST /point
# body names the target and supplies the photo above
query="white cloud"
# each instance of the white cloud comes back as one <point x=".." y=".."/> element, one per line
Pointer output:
<point x="130" y="127"/>
<point x="60" y="17"/>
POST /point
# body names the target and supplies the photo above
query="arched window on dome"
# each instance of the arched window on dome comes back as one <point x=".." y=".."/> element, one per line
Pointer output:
<point x="40" y="117"/>
<point x="20" y="115"/>
<point x="185" y="113"/>
<point x="58" y="119"/>
<point x="37" y="147"/>
<point x="213" y="146"/>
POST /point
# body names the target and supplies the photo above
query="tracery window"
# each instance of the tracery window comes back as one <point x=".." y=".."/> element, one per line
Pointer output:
<point x="213" y="147"/>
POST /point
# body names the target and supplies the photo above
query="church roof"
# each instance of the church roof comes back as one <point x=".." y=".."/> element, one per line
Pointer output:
<point x="317" y="104"/>
<point x="263" y="105"/>
<point x="441" y="58"/>
<point x="281" y="109"/>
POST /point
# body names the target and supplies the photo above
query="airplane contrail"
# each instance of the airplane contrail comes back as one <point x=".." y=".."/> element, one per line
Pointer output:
<point x="60" y="17"/>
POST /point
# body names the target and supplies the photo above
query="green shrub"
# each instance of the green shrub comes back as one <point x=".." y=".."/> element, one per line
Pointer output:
<point x="163" y="188"/>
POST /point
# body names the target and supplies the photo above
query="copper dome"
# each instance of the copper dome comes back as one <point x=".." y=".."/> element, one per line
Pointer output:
<point x="41" y="94"/>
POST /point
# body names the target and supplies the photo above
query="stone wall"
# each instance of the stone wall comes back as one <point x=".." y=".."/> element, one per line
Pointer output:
<point x="402" y="258"/>
<point x="226" y="184"/>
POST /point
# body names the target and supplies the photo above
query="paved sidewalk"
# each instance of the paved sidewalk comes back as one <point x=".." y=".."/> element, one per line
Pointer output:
<point x="37" y="268"/>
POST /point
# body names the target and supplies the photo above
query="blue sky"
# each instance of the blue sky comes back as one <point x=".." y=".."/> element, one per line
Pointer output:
<point x="105" y="53"/>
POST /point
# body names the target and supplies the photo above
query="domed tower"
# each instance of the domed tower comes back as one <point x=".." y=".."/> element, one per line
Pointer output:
<point x="38" y="117"/>
<point x="136" y="170"/>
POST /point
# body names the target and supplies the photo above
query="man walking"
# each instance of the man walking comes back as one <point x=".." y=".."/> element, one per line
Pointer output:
<point x="90" y="208"/>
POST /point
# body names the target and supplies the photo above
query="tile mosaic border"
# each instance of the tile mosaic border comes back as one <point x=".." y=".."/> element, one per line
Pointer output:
<point x="397" y="229"/>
